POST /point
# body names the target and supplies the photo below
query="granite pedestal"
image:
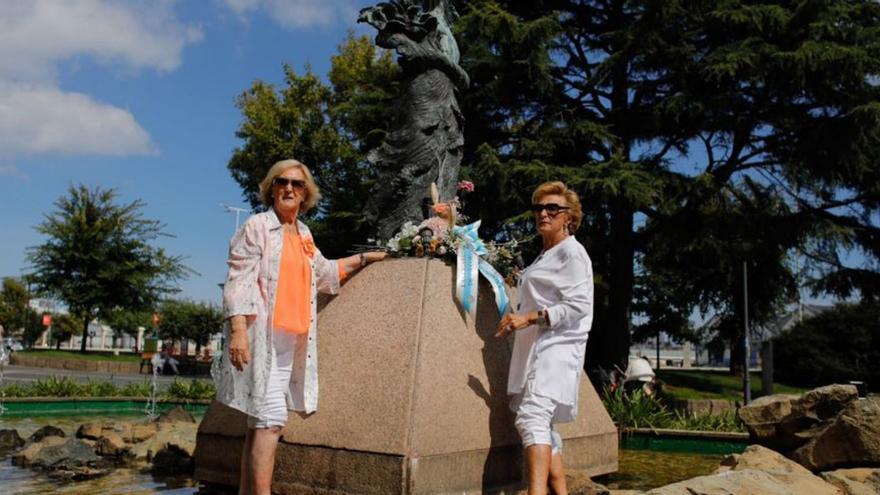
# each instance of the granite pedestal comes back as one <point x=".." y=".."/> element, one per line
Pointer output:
<point x="412" y="399"/>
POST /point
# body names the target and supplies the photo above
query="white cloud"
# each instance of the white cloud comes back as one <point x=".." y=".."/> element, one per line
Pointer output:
<point x="298" y="13"/>
<point x="37" y="119"/>
<point x="36" y="36"/>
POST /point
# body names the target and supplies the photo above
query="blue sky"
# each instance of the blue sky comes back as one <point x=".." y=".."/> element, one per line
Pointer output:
<point x="139" y="96"/>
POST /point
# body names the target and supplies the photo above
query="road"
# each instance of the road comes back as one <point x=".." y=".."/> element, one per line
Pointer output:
<point x="24" y="374"/>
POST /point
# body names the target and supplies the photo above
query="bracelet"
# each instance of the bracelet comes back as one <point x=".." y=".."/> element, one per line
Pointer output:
<point x="363" y="260"/>
<point x="542" y="318"/>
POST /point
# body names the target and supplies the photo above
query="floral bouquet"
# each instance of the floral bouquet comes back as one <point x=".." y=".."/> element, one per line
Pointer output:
<point x="441" y="237"/>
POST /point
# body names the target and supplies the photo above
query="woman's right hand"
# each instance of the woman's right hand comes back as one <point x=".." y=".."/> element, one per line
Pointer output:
<point x="239" y="348"/>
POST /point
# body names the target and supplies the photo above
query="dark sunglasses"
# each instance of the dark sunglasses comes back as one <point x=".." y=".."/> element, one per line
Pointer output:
<point x="553" y="209"/>
<point x="283" y="182"/>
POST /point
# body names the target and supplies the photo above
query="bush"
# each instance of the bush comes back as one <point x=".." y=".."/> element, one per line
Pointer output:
<point x="635" y="409"/>
<point x="191" y="389"/>
<point x="837" y="346"/>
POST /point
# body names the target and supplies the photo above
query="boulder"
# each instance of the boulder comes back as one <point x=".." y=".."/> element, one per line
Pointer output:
<point x="748" y="482"/>
<point x="852" y="438"/>
<point x="855" y="481"/>
<point x="177" y="439"/>
<point x="92" y="431"/>
<point x="139" y="433"/>
<point x="73" y="453"/>
<point x="758" y="470"/>
<point x="46" y="431"/>
<point x="25" y="457"/>
<point x="785" y="422"/>
<point x="111" y="444"/>
<point x="10" y="441"/>
<point x="178" y="414"/>
<point x="764" y="414"/>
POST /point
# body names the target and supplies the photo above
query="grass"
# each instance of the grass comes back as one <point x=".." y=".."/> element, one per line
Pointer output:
<point x="695" y="384"/>
<point x="636" y="410"/>
<point x="76" y="355"/>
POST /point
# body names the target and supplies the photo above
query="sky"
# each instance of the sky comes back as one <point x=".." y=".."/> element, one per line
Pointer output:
<point x="139" y="96"/>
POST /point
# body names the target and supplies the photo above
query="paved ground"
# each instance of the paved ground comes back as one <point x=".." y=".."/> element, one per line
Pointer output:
<point x="24" y="374"/>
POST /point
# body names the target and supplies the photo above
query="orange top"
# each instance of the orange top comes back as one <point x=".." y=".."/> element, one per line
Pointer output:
<point x="293" y="296"/>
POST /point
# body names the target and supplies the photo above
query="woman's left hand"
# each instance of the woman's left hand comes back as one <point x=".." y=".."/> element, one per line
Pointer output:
<point x="372" y="256"/>
<point x="510" y="323"/>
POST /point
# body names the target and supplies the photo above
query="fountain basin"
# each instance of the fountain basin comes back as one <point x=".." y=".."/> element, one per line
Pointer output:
<point x="73" y="406"/>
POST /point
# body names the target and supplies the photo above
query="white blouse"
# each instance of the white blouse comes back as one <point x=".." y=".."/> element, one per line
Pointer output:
<point x="550" y="359"/>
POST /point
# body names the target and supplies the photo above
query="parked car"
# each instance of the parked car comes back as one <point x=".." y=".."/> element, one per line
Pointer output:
<point x="12" y="345"/>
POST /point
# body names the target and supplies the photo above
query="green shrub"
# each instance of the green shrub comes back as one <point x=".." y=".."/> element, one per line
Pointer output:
<point x="635" y="409"/>
<point x="99" y="388"/>
<point x="55" y="387"/>
<point x="191" y="389"/>
<point x="141" y="389"/>
<point x="727" y="421"/>
<point x="836" y="346"/>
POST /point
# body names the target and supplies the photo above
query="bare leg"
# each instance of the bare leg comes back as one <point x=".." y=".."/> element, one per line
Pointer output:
<point x="262" y="459"/>
<point x="557" y="475"/>
<point x="245" y="481"/>
<point x="538" y="460"/>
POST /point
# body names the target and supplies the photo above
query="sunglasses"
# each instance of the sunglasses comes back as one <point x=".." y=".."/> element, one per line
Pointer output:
<point x="553" y="209"/>
<point x="283" y="182"/>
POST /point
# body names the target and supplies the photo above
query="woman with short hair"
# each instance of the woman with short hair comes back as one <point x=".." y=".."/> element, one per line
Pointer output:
<point x="270" y="294"/>
<point x="551" y="325"/>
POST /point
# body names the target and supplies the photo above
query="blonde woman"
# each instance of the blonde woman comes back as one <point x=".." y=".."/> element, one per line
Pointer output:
<point x="275" y="274"/>
<point x="551" y="327"/>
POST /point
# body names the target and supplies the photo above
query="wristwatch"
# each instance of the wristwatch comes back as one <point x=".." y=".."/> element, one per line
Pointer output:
<point x="363" y="260"/>
<point x="542" y="320"/>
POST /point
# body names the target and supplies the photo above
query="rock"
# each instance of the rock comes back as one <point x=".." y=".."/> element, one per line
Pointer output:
<point x="762" y="415"/>
<point x="110" y="444"/>
<point x="851" y="439"/>
<point x="758" y="470"/>
<point x="177" y="438"/>
<point x="825" y="402"/>
<point x="747" y="482"/>
<point x="46" y="431"/>
<point x="139" y="433"/>
<point x="81" y="473"/>
<point x="26" y="456"/>
<point x="10" y="441"/>
<point x="73" y="453"/>
<point x="855" y="481"/>
<point x="178" y="414"/>
<point x="764" y="459"/>
<point x="91" y="431"/>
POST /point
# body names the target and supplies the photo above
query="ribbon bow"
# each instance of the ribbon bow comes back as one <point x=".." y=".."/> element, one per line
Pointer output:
<point x="468" y="264"/>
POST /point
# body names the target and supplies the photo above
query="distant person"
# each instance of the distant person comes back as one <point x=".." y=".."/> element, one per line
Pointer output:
<point x="275" y="273"/>
<point x="167" y="357"/>
<point x="551" y="326"/>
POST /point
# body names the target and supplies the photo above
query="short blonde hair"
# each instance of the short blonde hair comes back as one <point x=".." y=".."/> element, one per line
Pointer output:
<point x="312" y="193"/>
<point x="574" y="203"/>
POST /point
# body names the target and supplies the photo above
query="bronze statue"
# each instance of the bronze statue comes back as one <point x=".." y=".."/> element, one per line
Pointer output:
<point x="426" y="141"/>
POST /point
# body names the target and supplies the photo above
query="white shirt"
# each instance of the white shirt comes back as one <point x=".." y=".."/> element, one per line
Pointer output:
<point x="551" y="359"/>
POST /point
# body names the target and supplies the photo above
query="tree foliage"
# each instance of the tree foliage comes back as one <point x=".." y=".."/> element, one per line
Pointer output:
<point x="190" y="320"/>
<point x="64" y="326"/>
<point x="98" y="256"/>
<point x="836" y="346"/>
<point x="13" y="305"/>
<point x="128" y="321"/>
<point x="327" y="127"/>
<point x="690" y="128"/>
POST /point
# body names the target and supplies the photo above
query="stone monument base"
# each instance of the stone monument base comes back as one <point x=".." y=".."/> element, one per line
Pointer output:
<point x="412" y="400"/>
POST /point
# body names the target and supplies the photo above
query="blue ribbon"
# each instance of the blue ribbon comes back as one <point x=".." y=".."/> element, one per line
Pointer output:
<point x="469" y="265"/>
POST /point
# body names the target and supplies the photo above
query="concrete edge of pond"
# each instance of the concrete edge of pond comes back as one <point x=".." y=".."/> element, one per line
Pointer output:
<point x="20" y="407"/>
<point x="718" y="435"/>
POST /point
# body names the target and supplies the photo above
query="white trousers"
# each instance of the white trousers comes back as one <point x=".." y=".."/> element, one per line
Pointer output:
<point x="534" y="420"/>
<point x="274" y="410"/>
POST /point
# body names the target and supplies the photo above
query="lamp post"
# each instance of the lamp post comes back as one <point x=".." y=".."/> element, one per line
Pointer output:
<point x="236" y="210"/>
<point x="747" y="385"/>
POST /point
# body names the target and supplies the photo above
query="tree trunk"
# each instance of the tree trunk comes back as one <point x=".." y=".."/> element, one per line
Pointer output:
<point x="621" y="282"/>
<point x="85" y="334"/>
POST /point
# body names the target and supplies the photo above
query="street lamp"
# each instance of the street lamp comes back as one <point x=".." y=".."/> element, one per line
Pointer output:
<point x="745" y="248"/>
<point x="234" y="209"/>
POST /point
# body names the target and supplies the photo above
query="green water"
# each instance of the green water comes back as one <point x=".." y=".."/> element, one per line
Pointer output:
<point x="645" y="469"/>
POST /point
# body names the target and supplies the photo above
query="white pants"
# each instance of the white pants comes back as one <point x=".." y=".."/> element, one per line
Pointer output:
<point x="534" y="421"/>
<point x="274" y="410"/>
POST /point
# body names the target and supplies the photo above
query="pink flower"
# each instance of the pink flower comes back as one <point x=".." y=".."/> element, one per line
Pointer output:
<point x="466" y="185"/>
